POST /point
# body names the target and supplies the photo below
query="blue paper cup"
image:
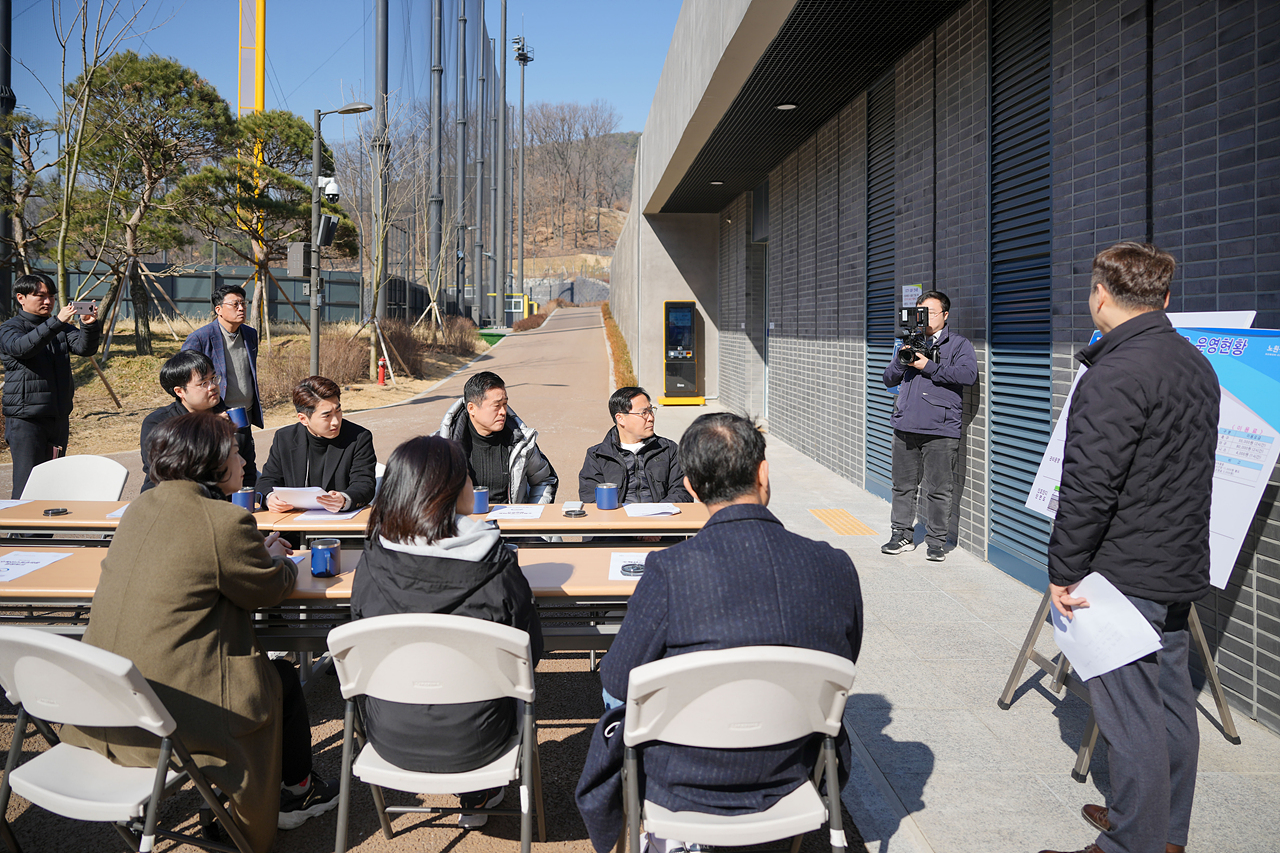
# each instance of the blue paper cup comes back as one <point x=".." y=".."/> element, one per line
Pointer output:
<point x="325" y="558"/>
<point x="246" y="498"/>
<point x="482" y="500"/>
<point x="607" y="496"/>
<point x="239" y="417"/>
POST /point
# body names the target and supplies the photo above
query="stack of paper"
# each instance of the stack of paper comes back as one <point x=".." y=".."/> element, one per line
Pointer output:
<point x="650" y="510"/>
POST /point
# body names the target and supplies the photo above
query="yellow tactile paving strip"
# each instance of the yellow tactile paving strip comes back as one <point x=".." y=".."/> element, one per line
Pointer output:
<point x="842" y="522"/>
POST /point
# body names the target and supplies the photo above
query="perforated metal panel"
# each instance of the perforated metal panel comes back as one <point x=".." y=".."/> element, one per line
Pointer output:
<point x="881" y="302"/>
<point x="825" y="53"/>
<point x="1021" y="233"/>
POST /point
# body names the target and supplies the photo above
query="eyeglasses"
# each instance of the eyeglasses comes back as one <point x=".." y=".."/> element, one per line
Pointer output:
<point x="644" y="413"/>
<point x="208" y="383"/>
<point x="238" y="305"/>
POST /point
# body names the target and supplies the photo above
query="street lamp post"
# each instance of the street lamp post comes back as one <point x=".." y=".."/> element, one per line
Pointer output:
<point x="524" y="55"/>
<point x="353" y="107"/>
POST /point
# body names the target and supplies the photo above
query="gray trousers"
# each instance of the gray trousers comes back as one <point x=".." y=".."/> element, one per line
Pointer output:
<point x="1147" y="712"/>
<point x="925" y="462"/>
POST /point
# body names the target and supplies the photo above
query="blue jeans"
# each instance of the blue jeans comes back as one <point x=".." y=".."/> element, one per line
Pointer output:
<point x="925" y="462"/>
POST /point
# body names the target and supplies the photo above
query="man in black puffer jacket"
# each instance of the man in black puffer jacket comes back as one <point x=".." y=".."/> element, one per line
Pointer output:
<point x="645" y="466"/>
<point x="1134" y="507"/>
<point x="35" y="346"/>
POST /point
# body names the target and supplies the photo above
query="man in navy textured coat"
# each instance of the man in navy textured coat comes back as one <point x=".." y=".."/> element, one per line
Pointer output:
<point x="1137" y="472"/>
<point x="744" y="580"/>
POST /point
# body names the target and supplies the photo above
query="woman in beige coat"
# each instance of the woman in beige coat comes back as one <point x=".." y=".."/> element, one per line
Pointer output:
<point x="179" y="586"/>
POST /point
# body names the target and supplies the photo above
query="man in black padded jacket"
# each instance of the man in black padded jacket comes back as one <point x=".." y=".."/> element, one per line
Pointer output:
<point x="1134" y="507"/>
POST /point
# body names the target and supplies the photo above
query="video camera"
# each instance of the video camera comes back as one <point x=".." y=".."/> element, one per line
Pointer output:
<point x="915" y="335"/>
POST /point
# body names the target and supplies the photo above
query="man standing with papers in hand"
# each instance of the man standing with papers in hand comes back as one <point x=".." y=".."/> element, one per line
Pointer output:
<point x="1134" y="507"/>
<point x="321" y="450"/>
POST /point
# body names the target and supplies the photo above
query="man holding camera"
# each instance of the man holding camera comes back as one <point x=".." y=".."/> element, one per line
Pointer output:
<point x="926" y="425"/>
<point x="36" y="346"/>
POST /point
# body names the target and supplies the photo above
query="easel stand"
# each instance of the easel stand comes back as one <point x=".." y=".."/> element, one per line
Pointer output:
<point x="1060" y="669"/>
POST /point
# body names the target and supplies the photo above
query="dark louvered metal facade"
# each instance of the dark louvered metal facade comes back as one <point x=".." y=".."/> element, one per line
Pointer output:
<point x="1020" y="289"/>
<point x="881" y="254"/>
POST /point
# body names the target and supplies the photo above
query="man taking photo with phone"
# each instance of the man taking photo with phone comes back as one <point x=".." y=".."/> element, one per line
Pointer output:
<point x="36" y="346"/>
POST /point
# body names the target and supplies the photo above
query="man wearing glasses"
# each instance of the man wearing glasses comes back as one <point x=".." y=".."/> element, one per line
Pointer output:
<point x="233" y="348"/>
<point x="926" y="429"/>
<point x="645" y="466"/>
<point x="36" y="346"/>
<point x="190" y="379"/>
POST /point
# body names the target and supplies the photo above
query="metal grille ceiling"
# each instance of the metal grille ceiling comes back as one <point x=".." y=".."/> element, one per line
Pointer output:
<point x="826" y="52"/>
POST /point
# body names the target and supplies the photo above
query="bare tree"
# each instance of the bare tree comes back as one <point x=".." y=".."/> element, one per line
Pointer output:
<point x="96" y="31"/>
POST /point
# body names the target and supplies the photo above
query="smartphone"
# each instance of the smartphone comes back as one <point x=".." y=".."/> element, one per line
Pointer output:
<point x="84" y="308"/>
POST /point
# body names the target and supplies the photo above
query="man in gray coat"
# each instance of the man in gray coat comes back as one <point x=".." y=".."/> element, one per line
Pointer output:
<point x="502" y="450"/>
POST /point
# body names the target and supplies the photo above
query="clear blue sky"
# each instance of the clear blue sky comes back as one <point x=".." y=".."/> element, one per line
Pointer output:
<point x="320" y="52"/>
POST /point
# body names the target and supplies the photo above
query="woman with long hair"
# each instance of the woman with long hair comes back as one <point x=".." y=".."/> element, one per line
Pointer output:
<point x="179" y="585"/>
<point x="425" y="554"/>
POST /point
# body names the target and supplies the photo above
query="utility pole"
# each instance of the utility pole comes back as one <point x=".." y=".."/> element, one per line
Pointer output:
<point x="460" y="220"/>
<point x="498" y="316"/>
<point x="478" y="274"/>
<point x="7" y="102"/>
<point x="502" y="204"/>
<point x="435" y="204"/>
<point x="381" y="153"/>
<point x="524" y="55"/>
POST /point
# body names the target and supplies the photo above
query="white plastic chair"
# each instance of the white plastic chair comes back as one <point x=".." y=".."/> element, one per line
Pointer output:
<point x="740" y="698"/>
<point x="66" y="681"/>
<point x="436" y="659"/>
<point x="76" y="478"/>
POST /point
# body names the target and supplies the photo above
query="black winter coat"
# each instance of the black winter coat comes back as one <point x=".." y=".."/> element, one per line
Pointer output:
<point x="443" y="738"/>
<point x="660" y="458"/>
<point x="1138" y="466"/>
<point x="36" y="352"/>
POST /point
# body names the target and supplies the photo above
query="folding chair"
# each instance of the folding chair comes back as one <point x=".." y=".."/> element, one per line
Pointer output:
<point x="76" y="478"/>
<point x="435" y="659"/>
<point x="740" y="698"/>
<point x="70" y="682"/>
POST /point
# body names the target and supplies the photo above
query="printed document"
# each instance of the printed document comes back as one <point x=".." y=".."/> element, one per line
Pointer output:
<point x="119" y="513"/>
<point x="626" y="565"/>
<point x="515" y="511"/>
<point x="1107" y="634"/>
<point x="12" y="504"/>
<point x="15" y="564"/>
<point x="650" y="510"/>
<point x="325" y="515"/>
<point x="301" y="498"/>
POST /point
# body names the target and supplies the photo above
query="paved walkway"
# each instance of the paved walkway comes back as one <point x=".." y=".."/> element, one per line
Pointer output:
<point x="942" y="769"/>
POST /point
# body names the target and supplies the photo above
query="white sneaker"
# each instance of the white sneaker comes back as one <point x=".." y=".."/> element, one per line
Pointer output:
<point x="479" y="800"/>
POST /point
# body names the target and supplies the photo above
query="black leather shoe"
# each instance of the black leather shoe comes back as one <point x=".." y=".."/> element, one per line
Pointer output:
<point x="1092" y="848"/>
